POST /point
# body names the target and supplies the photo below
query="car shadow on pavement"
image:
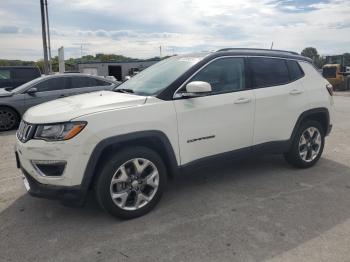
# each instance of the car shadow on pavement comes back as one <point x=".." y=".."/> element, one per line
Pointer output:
<point x="253" y="209"/>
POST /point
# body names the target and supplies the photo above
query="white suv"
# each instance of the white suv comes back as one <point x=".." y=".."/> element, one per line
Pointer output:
<point x="182" y="112"/>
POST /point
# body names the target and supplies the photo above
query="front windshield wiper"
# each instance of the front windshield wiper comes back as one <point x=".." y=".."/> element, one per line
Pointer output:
<point x="124" y="90"/>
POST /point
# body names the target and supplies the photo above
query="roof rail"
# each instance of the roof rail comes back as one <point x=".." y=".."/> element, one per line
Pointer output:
<point x="257" y="49"/>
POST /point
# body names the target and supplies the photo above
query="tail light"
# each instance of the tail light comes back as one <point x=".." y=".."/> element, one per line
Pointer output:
<point x="330" y="89"/>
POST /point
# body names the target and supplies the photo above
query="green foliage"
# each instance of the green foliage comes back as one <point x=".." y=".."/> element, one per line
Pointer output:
<point x="311" y="52"/>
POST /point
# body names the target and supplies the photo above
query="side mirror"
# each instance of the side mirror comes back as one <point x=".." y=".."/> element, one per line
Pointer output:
<point x="32" y="90"/>
<point x="197" y="88"/>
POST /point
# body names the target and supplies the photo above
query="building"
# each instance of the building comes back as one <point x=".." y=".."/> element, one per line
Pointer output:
<point x="117" y="69"/>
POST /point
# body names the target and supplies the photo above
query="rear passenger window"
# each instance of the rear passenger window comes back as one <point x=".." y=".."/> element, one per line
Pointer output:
<point x="295" y="70"/>
<point x="81" y="81"/>
<point x="102" y="83"/>
<point x="269" y="72"/>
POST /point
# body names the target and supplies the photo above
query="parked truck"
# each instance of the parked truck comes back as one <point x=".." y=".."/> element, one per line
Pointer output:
<point x="337" y="71"/>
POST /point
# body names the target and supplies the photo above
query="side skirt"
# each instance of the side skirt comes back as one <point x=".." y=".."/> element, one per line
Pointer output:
<point x="275" y="147"/>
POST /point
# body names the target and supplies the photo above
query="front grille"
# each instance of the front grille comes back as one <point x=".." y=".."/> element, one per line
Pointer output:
<point x="25" y="131"/>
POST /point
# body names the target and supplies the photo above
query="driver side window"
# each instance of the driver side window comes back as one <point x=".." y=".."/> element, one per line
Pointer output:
<point x="224" y="75"/>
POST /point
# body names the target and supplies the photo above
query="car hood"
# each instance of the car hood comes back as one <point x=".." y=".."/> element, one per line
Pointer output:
<point x="68" y="108"/>
<point x="4" y="92"/>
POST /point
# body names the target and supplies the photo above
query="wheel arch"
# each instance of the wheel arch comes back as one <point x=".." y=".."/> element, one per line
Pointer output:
<point x="320" y="115"/>
<point x="155" y="140"/>
<point x="13" y="108"/>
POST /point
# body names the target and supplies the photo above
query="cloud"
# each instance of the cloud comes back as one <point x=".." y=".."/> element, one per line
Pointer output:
<point x="137" y="28"/>
<point x="9" y="30"/>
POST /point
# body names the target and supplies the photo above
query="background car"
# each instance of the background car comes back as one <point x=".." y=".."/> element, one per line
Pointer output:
<point x="14" y="76"/>
<point x="13" y="103"/>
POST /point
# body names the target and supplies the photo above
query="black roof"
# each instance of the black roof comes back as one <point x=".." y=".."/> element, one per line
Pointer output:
<point x="263" y="52"/>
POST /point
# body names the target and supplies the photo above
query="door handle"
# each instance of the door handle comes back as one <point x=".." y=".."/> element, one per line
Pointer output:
<point x="295" y="92"/>
<point x="63" y="96"/>
<point x="242" y="100"/>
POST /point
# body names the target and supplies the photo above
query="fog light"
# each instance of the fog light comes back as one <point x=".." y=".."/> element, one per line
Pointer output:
<point x="49" y="167"/>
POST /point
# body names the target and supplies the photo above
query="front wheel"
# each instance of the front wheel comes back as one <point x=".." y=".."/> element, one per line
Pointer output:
<point x="307" y="146"/>
<point x="131" y="182"/>
<point x="8" y="119"/>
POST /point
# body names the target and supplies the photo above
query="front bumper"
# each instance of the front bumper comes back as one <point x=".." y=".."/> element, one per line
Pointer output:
<point x="69" y="187"/>
<point x="68" y="195"/>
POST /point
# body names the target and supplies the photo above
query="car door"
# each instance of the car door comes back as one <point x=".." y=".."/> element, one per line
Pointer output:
<point x="280" y="99"/>
<point x="48" y="89"/>
<point x="221" y="121"/>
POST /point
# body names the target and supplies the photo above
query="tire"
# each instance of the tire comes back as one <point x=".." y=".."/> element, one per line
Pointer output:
<point x="9" y="119"/>
<point x="308" y="152"/>
<point x="135" y="193"/>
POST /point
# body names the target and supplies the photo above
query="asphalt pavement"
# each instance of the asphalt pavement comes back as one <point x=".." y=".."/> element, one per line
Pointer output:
<point x="259" y="209"/>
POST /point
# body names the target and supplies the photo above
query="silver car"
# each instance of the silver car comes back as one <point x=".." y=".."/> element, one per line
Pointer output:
<point x="13" y="103"/>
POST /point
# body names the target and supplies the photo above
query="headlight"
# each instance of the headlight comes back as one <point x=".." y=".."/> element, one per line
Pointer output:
<point x="61" y="131"/>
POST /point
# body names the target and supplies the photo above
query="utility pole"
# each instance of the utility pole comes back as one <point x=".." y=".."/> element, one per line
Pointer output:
<point x="48" y="35"/>
<point x="271" y="45"/>
<point x="160" y="52"/>
<point x="43" y="29"/>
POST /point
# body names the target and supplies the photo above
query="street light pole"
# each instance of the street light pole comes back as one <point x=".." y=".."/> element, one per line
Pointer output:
<point x="43" y="29"/>
<point x="48" y="36"/>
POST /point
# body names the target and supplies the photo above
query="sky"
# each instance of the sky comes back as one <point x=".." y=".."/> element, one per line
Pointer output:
<point x="137" y="28"/>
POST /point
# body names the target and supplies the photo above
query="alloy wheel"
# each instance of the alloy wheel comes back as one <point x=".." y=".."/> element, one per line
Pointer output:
<point x="310" y="144"/>
<point x="134" y="184"/>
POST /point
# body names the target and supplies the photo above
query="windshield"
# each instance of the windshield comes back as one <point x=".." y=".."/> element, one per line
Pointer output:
<point x="157" y="77"/>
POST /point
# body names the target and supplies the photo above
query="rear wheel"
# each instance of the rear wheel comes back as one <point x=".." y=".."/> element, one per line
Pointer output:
<point x="8" y="119"/>
<point x="131" y="182"/>
<point x="307" y="146"/>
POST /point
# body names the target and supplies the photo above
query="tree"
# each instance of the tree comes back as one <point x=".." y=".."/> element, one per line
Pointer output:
<point x="311" y="52"/>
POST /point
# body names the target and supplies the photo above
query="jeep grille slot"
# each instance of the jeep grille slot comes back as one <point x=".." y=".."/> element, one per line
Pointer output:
<point x="25" y="131"/>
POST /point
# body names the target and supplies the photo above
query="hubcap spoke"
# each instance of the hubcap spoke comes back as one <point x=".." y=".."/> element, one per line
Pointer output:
<point x="152" y="179"/>
<point x="140" y="167"/>
<point x="121" y="198"/>
<point x="139" y="199"/>
<point x="123" y="176"/>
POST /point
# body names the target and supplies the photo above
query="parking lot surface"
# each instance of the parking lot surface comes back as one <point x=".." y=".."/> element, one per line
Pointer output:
<point x="259" y="209"/>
